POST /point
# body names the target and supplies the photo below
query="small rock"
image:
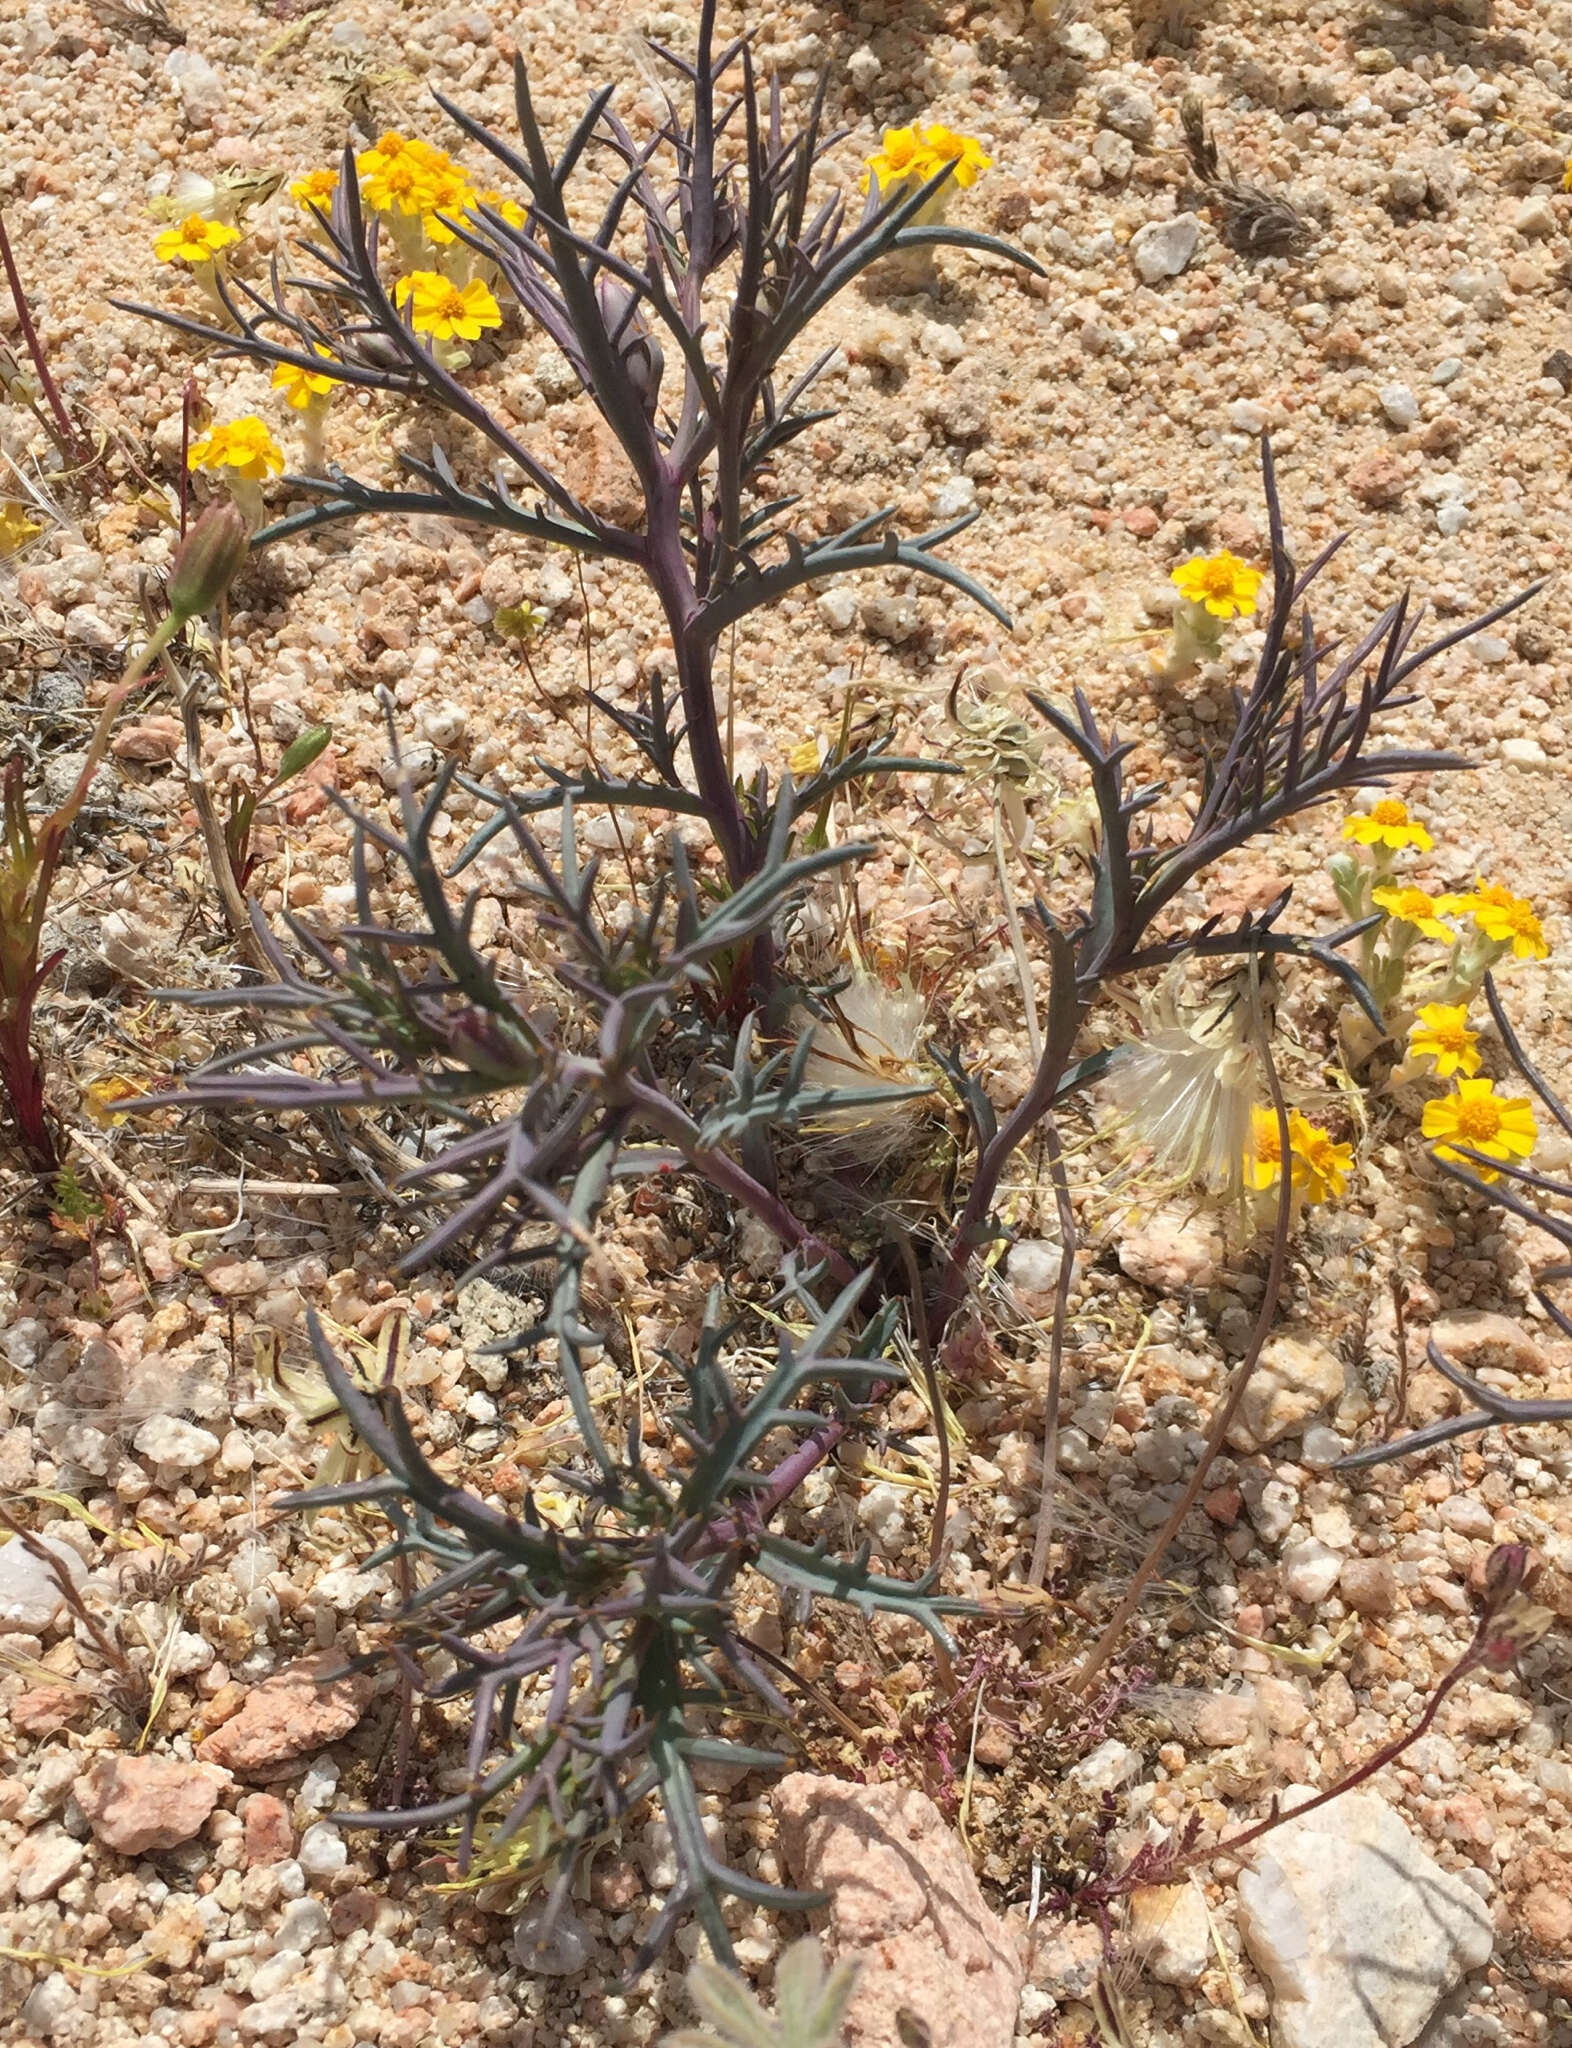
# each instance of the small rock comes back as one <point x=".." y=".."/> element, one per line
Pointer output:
<point x="137" y="1803"/>
<point x="89" y="628"/>
<point x="1163" y="248"/>
<point x="1452" y="515"/>
<point x="45" y="1709"/>
<point x="1328" y="1917"/>
<point x="1178" y="1250"/>
<point x="1078" y="39"/>
<point x="1297" y="1378"/>
<point x="43" y="1862"/>
<point x="1474" y="1338"/>
<point x="269" y="1838"/>
<point x="1285" y="1709"/>
<point x="1272" y="1505"/>
<point x="1168" y="1922"/>
<point x="1246" y="417"/>
<point x="1546" y="1917"/>
<point x="1110" y="1765"/>
<point x="235" y="1278"/>
<point x="1310" y="1570"/>
<point x="1378" y="480"/>
<point x="1368" y="1585"/>
<point x="1033" y="1272"/>
<point x="1447" y="371"/>
<point x="895" y="619"/>
<point x="148" y="741"/>
<point x="1400" y="405"/>
<point x="1535" y="218"/>
<point x="1122" y="106"/>
<point x="1339" y="280"/>
<point x="1224" y="1719"/>
<point x="1491" y="1714"/>
<point x="30" y="1595"/>
<point x="903" y="1901"/>
<point x="303" y="1927"/>
<point x="200" y="88"/>
<point x="1064" y="1958"/>
<point x="562" y="1950"/>
<point x="1521" y="751"/>
<point x="298" y="1710"/>
<point x="944" y="344"/>
<point x="555" y="377"/>
<point x="1468" y="1516"/>
<point x="863" y="67"/>
<point x="171" y="1441"/>
<point x="323" y="1852"/>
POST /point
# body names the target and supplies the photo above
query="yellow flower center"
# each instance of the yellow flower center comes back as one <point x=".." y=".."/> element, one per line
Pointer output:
<point x="1389" y="812"/>
<point x="1478" y="1120"/>
<point x="1413" y="904"/>
<point x="450" y="305"/>
<point x="1451" y="1037"/>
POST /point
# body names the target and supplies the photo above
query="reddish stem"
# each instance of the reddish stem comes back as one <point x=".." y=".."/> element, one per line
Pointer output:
<point x="72" y="439"/>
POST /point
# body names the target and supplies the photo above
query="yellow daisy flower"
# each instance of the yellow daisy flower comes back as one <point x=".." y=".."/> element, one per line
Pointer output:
<point x="447" y="192"/>
<point x="195" y="240"/>
<point x="1440" y="1033"/>
<point x="400" y="186"/>
<point x="1504" y="919"/>
<point x="964" y="154"/>
<point x="900" y="156"/>
<point x="1318" y="1167"/>
<point x="444" y="310"/>
<point x="1388" y="824"/>
<point x="316" y="188"/>
<point x="1416" y="907"/>
<point x="245" y="446"/>
<point x="1501" y="1127"/>
<point x="388" y="145"/>
<point x="300" y="387"/>
<point x="509" y="209"/>
<point x="1222" y="583"/>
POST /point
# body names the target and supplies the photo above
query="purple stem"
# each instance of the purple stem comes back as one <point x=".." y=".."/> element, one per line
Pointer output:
<point x="74" y="445"/>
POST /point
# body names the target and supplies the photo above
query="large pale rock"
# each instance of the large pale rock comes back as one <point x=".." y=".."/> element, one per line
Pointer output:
<point x="293" y="1713"/>
<point x="1358" y="1931"/>
<point x="1297" y="1378"/>
<point x="1177" y="1250"/>
<point x="904" y="1902"/>
<point x="1168" y="1924"/>
<point x="1475" y="1337"/>
<point x="137" y="1803"/>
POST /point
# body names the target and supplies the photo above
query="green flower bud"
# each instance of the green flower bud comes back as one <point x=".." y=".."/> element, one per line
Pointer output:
<point x="302" y="750"/>
<point x="1348" y="879"/>
<point x="208" y="560"/>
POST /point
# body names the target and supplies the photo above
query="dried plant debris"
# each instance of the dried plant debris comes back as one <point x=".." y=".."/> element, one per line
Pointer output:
<point x="142" y="20"/>
<point x="1252" y="222"/>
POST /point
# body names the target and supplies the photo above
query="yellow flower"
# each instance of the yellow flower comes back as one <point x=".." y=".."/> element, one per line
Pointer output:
<point x="910" y="156"/>
<point x="245" y="446"/>
<point x="300" y="387"/>
<point x="1440" y="1032"/>
<point x="399" y="186"/>
<point x="195" y="240"/>
<point x="1222" y="583"/>
<point x="1475" y="1116"/>
<point x="964" y="153"/>
<point x="444" y="310"/>
<point x="446" y="192"/>
<point x="509" y="209"/>
<point x="315" y="189"/>
<point x="900" y="157"/>
<point x="1318" y="1164"/>
<point x="16" y="529"/>
<point x="1321" y="1165"/>
<point x="388" y="145"/>
<point x="1415" y="907"/>
<point x="1503" y="918"/>
<point x="1388" y="824"/>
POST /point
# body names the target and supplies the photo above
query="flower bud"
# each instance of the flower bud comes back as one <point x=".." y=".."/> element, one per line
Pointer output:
<point x="630" y="336"/>
<point x="301" y="752"/>
<point x="208" y="560"/>
<point x="1348" y="879"/>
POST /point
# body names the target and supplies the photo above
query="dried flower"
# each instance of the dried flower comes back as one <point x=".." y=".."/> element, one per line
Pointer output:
<point x="445" y="310"/>
<point x="1186" y="1090"/>
<point x="1221" y="584"/>
<point x="1505" y="919"/>
<point x="1387" y="824"/>
<point x="1318" y="1165"/>
<point x="245" y="446"/>
<point x="315" y="190"/>
<point x="195" y="240"/>
<point x="1501" y="1127"/>
<point x="1440" y="1033"/>
<point x="1417" y="908"/>
<point x="875" y="1041"/>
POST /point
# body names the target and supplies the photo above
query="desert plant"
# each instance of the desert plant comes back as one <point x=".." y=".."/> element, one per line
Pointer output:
<point x="677" y="1053"/>
<point x="810" y="2003"/>
<point x="731" y="262"/>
